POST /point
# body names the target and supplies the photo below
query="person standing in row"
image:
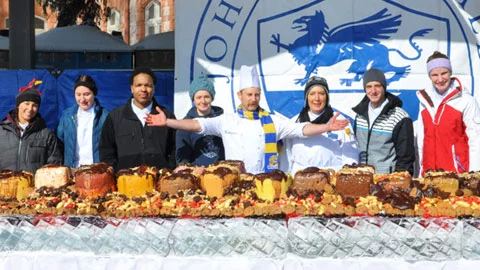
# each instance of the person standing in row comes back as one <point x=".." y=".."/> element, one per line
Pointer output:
<point x="194" y="148"/>
<point x="126" y="141"/>
<point x="448" y="129"/>
<point x="81" y="125"/>
<point x="26" y="143"/>
<point x="383" y="129"/>
<point x="331" y="149"/>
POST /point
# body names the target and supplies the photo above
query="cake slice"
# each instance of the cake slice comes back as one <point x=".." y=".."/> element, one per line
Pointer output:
<point x="272" y="185"/>
<point x="311" y="179"/>
<point x="354" y="181"/>
<point x="15" y="184"/>
<point x="92" y="181"/>
<point x="217" y="179"/>
<point x="174" y="182"/>
<point x="137" y="181"/>
<point x="445" y="181"/>
<point x="401" y="180"/>
<point x="52" y="175"/>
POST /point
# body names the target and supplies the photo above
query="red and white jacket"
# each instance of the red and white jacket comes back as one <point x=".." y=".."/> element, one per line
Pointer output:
<point x="449" y="137"/>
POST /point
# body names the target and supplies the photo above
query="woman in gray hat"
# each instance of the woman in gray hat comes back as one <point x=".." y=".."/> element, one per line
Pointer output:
<point x="331" y="149"/>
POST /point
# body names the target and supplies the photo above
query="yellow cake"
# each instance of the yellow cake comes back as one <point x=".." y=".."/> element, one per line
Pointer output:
<point x="15" y="184"/>
<point x="272" y="185"/>
<point x="137" y="181"/>
<point x="445" y="181"/>
<point x="216" y="180"/>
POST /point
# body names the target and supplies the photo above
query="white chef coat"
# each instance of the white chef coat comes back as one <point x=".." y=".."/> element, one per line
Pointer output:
<point x="244" y="139"/>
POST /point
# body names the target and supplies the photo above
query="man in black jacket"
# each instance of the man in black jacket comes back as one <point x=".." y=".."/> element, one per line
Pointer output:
<point x="384" y="130"/>
<point x="126" y="141"/>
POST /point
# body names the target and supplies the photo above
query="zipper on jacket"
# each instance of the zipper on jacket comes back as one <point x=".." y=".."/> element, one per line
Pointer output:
<point x="18" y="153"/>
<point x="74" y="119"/>
<point x="368" y="137"/>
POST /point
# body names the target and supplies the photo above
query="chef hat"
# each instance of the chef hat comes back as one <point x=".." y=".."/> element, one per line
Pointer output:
<point x="249" y="77"/>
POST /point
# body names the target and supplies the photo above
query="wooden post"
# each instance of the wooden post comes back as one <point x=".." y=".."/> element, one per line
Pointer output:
<point x="22" y="34"/>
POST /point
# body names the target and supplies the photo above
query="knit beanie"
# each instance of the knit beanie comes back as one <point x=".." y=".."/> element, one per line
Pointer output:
<point x="201" y="83"/>
<point x="315" y="80"/>
<point x="87" y="81"/>
<point x="29" y="93"/>
<point x="374" y="75"/>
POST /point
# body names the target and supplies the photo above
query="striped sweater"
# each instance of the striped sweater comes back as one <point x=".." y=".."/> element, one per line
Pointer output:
<point x="389" y="143"/>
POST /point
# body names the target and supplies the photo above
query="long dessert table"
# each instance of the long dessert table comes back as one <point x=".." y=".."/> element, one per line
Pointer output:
<point x="78" y="242"/>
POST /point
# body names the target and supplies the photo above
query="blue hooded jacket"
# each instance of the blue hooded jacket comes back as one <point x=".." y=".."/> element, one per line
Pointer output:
<point x="67" y="132"/>
<point x="199" y="149"/>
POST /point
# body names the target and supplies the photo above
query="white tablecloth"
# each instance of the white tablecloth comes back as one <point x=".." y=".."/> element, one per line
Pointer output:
<point x="73" y="261"/>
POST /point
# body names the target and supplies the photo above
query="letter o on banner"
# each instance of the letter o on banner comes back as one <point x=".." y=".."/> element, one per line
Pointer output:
<point x="213" y="45"/>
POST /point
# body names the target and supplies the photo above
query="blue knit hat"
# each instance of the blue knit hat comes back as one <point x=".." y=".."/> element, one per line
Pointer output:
<point x="202" y="83"/>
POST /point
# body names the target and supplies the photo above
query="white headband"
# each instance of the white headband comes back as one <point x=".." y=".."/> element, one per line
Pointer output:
<point x="439" y="62"/>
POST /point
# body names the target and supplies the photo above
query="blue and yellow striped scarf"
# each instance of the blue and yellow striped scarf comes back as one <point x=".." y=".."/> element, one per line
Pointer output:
<point x="271" y="152"/>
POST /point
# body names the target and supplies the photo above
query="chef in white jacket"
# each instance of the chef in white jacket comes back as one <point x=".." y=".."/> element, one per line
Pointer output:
<point x="331" y="149"/>
<point x="250" y="134"/>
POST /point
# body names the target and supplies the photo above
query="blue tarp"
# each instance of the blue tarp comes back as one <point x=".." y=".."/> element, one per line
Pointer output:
<point x="57" y="93"/>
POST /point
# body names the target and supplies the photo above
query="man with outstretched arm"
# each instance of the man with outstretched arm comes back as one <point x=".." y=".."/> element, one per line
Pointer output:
<point x="250" y="134"/>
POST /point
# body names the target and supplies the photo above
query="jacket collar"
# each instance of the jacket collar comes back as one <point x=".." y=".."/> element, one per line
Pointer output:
<point x="11" y="123"/>
<point x="216" y="111"/>
<point x="129" y="114"/>
<point x="426" y="100"/>
<point x="393" y="101"/>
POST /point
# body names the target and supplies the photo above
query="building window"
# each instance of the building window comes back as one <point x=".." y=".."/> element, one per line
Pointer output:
<point x="113" y="21"/>
<point x="39" y="24"/>
<point x="152" y="18"/>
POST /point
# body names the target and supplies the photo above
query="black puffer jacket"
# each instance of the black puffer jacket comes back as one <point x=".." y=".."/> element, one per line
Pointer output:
<point x="37" y="147"/>
<point x="125" y="143"/>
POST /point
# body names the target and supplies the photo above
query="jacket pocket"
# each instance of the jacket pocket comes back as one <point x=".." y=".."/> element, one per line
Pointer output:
<point x="126" y="143"/>
<point x="36" y="151"/>
<point x="125" y="137"/>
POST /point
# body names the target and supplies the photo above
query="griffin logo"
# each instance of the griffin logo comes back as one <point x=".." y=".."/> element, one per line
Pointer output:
<point x="359" y="40"/>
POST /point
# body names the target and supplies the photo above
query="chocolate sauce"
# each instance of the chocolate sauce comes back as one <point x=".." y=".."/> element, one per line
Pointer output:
<point x="97" y="168"/>
<point x="396" y="197"/>
<point x="433" y="192"/>
<point x="222" y="171"/>
<point x="276" y="175"/>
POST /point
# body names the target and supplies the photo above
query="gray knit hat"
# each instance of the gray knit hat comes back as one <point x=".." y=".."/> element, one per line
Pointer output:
<point x="201" y="83"/>
<point x="374" y="75"/>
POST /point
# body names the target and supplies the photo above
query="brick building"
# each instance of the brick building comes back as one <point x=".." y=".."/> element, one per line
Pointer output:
<point x="134" y="19"/>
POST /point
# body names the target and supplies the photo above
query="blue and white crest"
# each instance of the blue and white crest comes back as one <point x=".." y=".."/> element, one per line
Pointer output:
<point x="290" y="41"/>
<point x="360" y="41"/>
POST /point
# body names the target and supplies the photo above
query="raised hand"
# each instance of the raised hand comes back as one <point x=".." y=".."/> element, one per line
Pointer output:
<point x="156" y="120"/>
<point x="336" y="124"/>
